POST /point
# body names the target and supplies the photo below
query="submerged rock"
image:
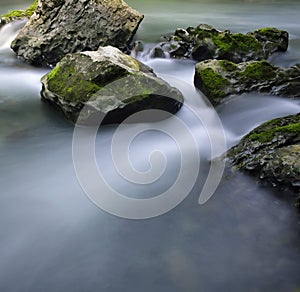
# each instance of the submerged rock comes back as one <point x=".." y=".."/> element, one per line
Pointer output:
<point x="110" y="83"/>
<point x="220" y="78"/>
<point x="205" y="42"/>
<point x="18" y="14"/>
<point x="272" y="152"/>
<point x="60" y="27"/>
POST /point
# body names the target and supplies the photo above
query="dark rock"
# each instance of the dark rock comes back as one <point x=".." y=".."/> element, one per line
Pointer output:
<point x="59" y="27"/>
<point x="205" y="42"/>
<point x="272" y="152"/>
<point x="272" y="39"/>
<point x="108" y="82"/>
<point x="219" y="78"/>
<point x="157" y="52"/>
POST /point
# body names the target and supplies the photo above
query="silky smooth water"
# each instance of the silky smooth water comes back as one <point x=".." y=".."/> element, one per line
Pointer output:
<point x="52" y="238"/>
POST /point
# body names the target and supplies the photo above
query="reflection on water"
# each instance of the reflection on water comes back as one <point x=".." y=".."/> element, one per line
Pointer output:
<point x="52" y="238"/>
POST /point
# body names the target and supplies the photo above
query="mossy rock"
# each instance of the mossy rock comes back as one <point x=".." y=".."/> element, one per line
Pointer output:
<point x="109" y="83"/>
<point x="19" y="14"/>
<point x="218" y="79"/>
<point x="258" y="71"/>
<point x="206" y="42"/>
<point x="238" y="47"/>
<point x="271" y="152"/>
<point x="209" y="80"/>
<point x="279" y="39"/>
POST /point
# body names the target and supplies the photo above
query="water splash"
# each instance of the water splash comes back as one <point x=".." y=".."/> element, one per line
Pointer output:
<point x="8" y="32"/>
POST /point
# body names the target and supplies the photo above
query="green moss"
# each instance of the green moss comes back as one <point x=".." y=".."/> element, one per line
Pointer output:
<point x="223" y="42"/>
<point x="260" y="70"/>
<point x="269" y="135"/>
<point x="268" y="31"/>
<point x="246" y="42"/>
<point x="54" y="72"/>
<point x="228" y="43"/>
<point x="202" y="34"/>
<point x="16" y="14"/>
<point x="213" y="83"/>
<point x="74" y="87"/>
<point x="32" y="8"/>
<point x="228" y="66"/>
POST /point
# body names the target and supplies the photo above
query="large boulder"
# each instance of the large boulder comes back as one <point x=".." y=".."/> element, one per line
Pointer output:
<point x="59" y="27"/>
<point x="109" y="83"/>
<point x="272" y="152"/>
<point x="219" y="78"/>
<point x="205" y="42"/>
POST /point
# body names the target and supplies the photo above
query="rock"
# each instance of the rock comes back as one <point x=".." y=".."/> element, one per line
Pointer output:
<point x="59" y="27"/>
<point x="272" y="152"/>
<point x="18" y="14"/>
<point x="86" y="78"/>
<point x="272" y="39"/>
<point x="205" y="42"/>
<point x="219" y="78"/>
<point x="157" y="52"/>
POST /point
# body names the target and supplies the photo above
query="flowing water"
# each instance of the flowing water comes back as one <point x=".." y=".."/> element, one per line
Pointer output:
<point x="52" y="238"/>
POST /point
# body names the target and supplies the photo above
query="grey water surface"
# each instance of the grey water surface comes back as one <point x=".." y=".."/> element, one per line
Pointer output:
<point x="53" y="238"/>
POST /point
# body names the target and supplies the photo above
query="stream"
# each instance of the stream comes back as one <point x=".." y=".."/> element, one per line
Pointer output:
<point x="53" y="238"/>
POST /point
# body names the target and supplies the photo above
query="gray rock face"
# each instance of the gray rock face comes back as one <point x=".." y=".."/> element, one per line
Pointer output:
<point x="109" y="83"/>
<point x="219" y="78"/>
<point x="205" y="42"/>
<point x="272" y="152"/>
<point x="59" y="27"/>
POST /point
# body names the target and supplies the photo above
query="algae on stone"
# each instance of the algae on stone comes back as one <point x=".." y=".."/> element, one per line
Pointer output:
<point x="229" y="78"/>
<point x="19" y="14"/>
<point x="108" y="82"/>
<point x="261" y="70"/>
<point x="271" y="152"/>
<point x="205" y="42"/>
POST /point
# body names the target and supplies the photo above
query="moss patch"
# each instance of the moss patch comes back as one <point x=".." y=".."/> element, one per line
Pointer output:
<point x="269" y="135"/>
<point x="228" y="43"/>
<point x="260" y="70"/>
<point x="213" y="83"/>
<point x="74" y="87"/>
<point x="16" y="14"/>
<point x="228" y="66"/>
<point x="268" y="31"/>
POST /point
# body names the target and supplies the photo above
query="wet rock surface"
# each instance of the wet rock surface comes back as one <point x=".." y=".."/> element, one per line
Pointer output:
<point x="206" y="42"/>
<point x="271" y="152"/>
<point x="108" y="83"/>
<point x="218" y="79"/>
<point x="59" y="27"/>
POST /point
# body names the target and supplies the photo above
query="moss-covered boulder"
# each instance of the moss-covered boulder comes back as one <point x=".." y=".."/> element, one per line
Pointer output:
<point x="272" y="39"/>
<point x="205" y="42"/>
<point x="18" y="14"/>
<point x="60" y="27"/>
<point x="109" y="83"/>
<point x="218" y="79"/>
<point x="272" y="152"/>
